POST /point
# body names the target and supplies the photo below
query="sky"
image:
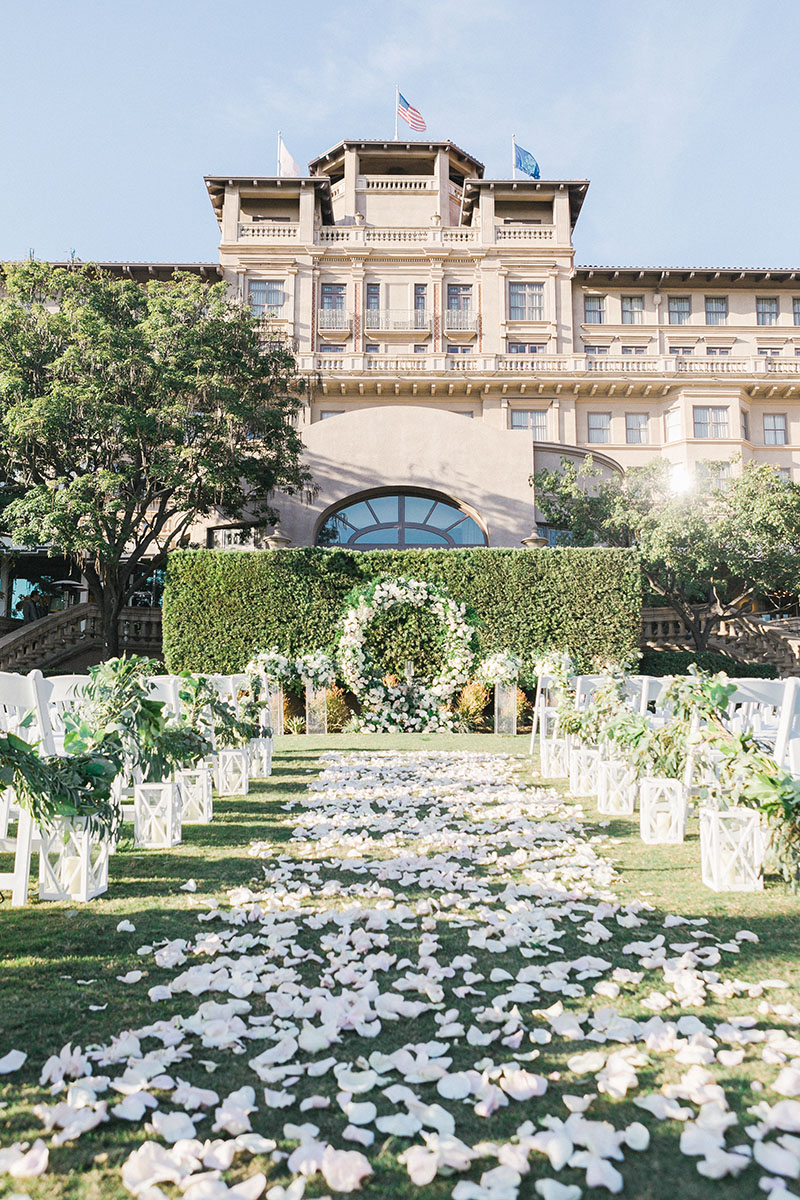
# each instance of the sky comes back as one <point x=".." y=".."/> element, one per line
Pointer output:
<point x="682" y="113"/>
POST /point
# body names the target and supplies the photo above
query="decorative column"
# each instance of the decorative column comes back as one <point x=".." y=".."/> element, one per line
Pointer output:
<point x="316" y="709"/>
<point x="505" y="709"/>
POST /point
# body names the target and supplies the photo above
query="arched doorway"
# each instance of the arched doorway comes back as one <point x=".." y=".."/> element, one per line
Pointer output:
<point x="399" y="519"/>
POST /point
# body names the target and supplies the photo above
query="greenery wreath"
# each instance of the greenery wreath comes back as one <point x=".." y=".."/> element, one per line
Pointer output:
<point x="417" y="704"/>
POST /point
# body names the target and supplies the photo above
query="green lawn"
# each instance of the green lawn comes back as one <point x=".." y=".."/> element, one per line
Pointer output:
<point x="47" y="949"/>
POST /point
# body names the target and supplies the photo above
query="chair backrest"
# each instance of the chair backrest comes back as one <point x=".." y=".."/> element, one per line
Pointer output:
<point x="166" y="688"/>
<point x="20" y="695"/>
<point x="62" y="693"/>
<point x="585" y="688"/>
<point x="788" y="734"/>
<point x="228" y="687"/>
<point x="644" y="690"/>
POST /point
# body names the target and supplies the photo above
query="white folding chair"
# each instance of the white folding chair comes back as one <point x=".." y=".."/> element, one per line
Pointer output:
<point x="61" y="694"/>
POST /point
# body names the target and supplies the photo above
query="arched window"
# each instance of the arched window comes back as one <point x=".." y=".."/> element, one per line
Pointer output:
<point x="400" y="520"/>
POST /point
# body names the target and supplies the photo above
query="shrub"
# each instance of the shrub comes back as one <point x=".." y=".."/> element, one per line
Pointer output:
<point x="339" y="711"/>
<point x="472" y="703"/>
<point x="677" y="662"/>
<point x="221" y="607"/>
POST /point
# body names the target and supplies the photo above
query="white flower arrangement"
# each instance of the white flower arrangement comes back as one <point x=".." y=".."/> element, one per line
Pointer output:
<point x="416" y="705"/>
<point x="270" y="665"/>
<point x="316" y="669"/>
<point x="558" y="664"/>
<point x="501" y="669"/>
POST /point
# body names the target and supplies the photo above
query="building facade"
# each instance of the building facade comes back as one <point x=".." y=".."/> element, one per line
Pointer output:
<point x="452" y="346"/>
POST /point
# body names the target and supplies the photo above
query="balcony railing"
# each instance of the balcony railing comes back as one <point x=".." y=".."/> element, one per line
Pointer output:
<point x="266" y="231"/>
<point x="555" y="365"/>
<point x="397" y="319"/>
<point x="461" y="319"/>
<point x="524" y="233"/>
<point x="333" y="318"/>
<point x="396" y="183"/>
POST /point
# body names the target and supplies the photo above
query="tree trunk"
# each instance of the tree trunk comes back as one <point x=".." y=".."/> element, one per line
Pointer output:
<point x="110" y="606"/>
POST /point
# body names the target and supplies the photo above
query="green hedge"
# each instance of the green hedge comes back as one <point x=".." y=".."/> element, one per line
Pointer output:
<point x="222" y="606"/>
<point x="677" y="662"/>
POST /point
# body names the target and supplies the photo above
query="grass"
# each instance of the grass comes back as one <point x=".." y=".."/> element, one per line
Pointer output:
<point x="47" y="949"/>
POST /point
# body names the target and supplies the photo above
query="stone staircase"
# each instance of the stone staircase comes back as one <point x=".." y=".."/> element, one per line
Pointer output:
<point x="71" y="640"/>
<point x="744" y="637"/>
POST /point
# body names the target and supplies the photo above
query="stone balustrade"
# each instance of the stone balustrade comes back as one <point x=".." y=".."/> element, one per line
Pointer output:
<point x="76" y="630"/>
<point x="545" y="366"/>
<point x="397" y="319"/>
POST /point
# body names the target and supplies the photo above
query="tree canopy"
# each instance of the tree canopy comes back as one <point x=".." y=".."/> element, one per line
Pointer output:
<point x="705" y="551"/>
<point x="128" y="411"/>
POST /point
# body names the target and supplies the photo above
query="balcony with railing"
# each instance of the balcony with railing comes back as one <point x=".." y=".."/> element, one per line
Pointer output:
<point x="461" y="320"/>
<point x="399" y="320"/>
<point x="559" y="366"/>
<point x="335" y="319"/>
<point x="269" y="231"/>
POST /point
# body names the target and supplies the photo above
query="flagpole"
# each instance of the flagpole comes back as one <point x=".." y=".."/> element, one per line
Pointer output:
<point x="396" y="108"/>
<point x="513" y="156"/>
<point x="279" y="152"/>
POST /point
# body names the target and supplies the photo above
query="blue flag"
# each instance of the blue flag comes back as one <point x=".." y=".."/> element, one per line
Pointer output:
<point x="524" y="161"/>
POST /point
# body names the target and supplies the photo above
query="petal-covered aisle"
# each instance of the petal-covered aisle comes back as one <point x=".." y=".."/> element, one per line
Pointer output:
<point x="435" y="993"/>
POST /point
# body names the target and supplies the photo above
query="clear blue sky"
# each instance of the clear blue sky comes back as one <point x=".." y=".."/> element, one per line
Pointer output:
<point x="683" y="113"/>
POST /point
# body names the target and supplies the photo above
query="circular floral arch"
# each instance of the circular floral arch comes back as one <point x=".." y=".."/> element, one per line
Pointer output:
<point x="417" y="704"/>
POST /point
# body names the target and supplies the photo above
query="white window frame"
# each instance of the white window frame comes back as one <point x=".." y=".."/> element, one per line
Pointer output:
<point x="533" y="294"/>
<point x="772" y="313"/>
<point x="269" y="307"/>
<point x="720" y="317"/>
<point x="716" y="421"/>
<point x="676" y="315"/>
<point x="632" y="310"/>
<point x="602" y="424"/>
<point x="637" y="434"/>
<point x="777" y="433"/>
<point x="597" y="318"/>
<point x="535" y="422"/>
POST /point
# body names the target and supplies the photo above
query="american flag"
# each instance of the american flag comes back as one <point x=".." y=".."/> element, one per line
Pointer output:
<point x="412" y="116"/>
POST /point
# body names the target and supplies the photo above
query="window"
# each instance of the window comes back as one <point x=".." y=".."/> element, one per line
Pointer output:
<point x="774" y="429"/>
<point x="400" y="520"/>
<point x="636" y="429"/>
<point x="633" y="349"/>
<point x="672" y="425"/>
<point x="327" y="413"/>
<point x="632" y="310"/>
<point x="593" y="353"/>
<point x="784" y="473"/>
<point x="333" y="349"/>
<point x="679" y="309"/>
<point x="596" y="349"/>
<point x="372" y="348"/>
<point x="533" y="419"/>
<point x="333" y="296"/>
<point x="710" y="422"/>
<point x="420" y="348"/>
<point x="594" y="310"/>
<point x="526" y="301"/>
<point x="769" y="351"/>
<point x="717" y="351"/>
<point x="373" y="297"/>
<point x="527" y="347"/>
<point x="681" y="351"/>
<point x="766" y="310"/>
<point x="459" y="297"/>
<point x="796" y="310"/>
<point x="716" y="310"/>
<point x="462" y="412"/>
<point x="745" y="425"/>
<point x="266" y="297"/>
<point x="599" y="427"/>
<point x="712" y="474"/>
<point x="420" y="297"/>
<point x="459" y="349"/>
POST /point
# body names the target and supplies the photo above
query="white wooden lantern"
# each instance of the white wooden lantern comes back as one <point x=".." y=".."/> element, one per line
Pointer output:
<point x="260" y="757"/>
<point x="73" y="861"/>
<point x="616" y="787"/>
<point x="156" y="815"/>
<point x="554" y="757"/>
<point x="196" y="789"/>
<point x="316" y="709"/>
<point x="662" y="810"/>
<point x="505" y="709"/>
<point x="583" y="771"/>
<point x="732" y="847"/>
<point x="233" y="775"/>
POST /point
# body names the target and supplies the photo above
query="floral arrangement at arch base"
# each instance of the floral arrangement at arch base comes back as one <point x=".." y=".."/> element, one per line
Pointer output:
<point x="500" y="670"/>
<point x="418" y="705"/>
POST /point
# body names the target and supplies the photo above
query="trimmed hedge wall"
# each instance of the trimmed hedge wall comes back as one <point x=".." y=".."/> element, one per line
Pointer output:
<point x="677" y="662"/>
<point x="220" y="606"/>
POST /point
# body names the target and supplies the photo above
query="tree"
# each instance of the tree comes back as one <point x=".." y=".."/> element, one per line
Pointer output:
<point x="129" y="411"/>
<point x="705" y="551"/>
